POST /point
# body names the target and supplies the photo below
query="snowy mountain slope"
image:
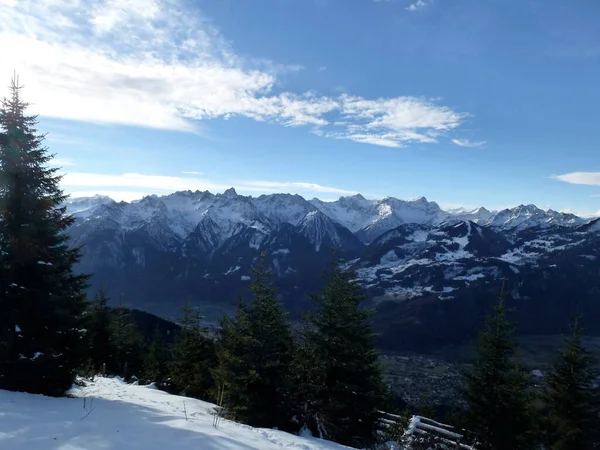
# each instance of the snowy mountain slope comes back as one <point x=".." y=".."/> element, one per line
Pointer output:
<point x="120" y="416"/>
<point x="479" y="215"/>
<point x="323" y="233"/>
<point x="528" y="216"/>
<point x="82" y="207"/>
<point x="592" y="226"/>
<point x="205" y="238"/>
<point x="283" y="208"/>
<point x="434" y="298"/>
<point x="354" y="212"/>
<point x="371" y="218"/>
<point x="414" y="260"/>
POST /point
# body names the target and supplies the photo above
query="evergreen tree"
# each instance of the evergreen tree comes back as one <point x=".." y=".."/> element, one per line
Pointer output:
<point x="500" y="410"/>
<point x="42" y="300"/>
<point x="100" y="340"/>
<point x="340" y="389"/>
<point x="155" y="361"/>
<point x="194" y="357"/>
<point x="127" y="343"/>
<point x="572" y="398"/>
<point x="255" y="353"/>
<point x="234" y="368"/>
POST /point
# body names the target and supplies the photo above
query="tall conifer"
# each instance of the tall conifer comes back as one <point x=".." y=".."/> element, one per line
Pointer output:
<point x="101" y="350"/>
<point x="255" y="353"/>
<point x="42" y="300"/>
<point x="194" y="357"/>
<point x="340" y="386"/>
<point x="500" y="411"/>
<point x="572" y="397"/>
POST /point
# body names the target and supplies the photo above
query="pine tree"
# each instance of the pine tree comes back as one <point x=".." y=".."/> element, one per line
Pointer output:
<point x="234" y="371"/>
<point x="194" y="357"/>
<point x="272" y="351"/>
<point x="42" y="300"/>
<point x="341" y="389"/>
<point x="500" y="411"/>
<point x="127" y="343"/>
<point x="572" y="398"/>
<point x="155" y="361"/>
<point x="255" y="353"/>
<point x="101" y="349"/>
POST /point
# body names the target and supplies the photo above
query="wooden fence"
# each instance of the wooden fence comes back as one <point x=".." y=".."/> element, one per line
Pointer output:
<point x="420" y="428"/>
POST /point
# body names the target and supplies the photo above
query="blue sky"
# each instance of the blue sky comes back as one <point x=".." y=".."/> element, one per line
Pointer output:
<point x="466" y="102"/>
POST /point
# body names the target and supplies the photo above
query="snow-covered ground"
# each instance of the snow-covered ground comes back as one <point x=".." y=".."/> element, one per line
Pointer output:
<point x="109" y="414"/>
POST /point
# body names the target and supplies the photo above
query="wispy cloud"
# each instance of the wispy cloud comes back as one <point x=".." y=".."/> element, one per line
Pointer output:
<point x="192" y="173"/>
<point x="582" y="214"/>
<point x="60" y="138"/>
<point x="125" y="196"/>
<point x="287" y="185"/>
<point x="61" y="162"/>
<point x="150" y="183"/>
<point x="152" y="63"/>
<point x="587" y="178"/>
<point x="144" y="184"/>
<point x="394" y="122"/>
<point x="416" y="5"/>
<point x="467" y="143"/>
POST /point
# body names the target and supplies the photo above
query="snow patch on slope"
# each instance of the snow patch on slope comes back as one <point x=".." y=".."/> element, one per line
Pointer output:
<point x="123" y="416"/>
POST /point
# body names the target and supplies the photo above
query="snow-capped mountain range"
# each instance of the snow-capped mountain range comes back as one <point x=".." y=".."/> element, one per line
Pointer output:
<point x="159" y="250"/>
<point x="367" y="219"/>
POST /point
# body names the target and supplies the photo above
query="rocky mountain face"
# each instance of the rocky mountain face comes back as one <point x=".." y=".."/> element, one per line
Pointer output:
<point x="431" y="274"/>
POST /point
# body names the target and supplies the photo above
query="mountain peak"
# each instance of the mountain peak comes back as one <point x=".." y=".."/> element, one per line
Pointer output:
<point x="230" y="193"/>
<point x="357" y="197"/>
<point x="529" y="207"/>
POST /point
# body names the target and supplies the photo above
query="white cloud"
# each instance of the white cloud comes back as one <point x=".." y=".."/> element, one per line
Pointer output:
<point x="60" y="138"/>
<point x="132" y="184"/>
<point x="579" y="213"/>
<point x="154" y="183"/>
<point x="394" y="122"/>
<point x="62" y="162"/>
<point x="113" y="13"/>
<point x="192" y="173"/>
<point x="384" y="140"/>
<point x="467" y="143"/>
<point x="416" y="5"/>
<point x="152" y="63"/>
<point x="287" y="185"/>
<point x="125" y="196"/>
<point x="587" y="178"/>
<point x="457" y="207"/>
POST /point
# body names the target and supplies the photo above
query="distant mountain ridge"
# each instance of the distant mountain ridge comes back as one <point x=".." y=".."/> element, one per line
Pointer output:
<point x="368" y="219"/>
<point x="418" y="263"/>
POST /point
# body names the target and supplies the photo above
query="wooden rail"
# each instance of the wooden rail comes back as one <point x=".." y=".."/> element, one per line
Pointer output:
<point x="420" y="426"/>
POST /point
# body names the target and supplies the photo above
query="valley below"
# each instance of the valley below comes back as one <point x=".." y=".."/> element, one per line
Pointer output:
<point x="434" y="379"/>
